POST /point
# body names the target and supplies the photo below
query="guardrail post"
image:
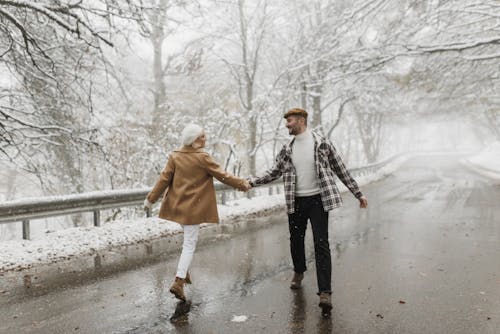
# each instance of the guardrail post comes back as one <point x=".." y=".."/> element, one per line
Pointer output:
<point x="149" y="249"/>
<point x="26" y="229"/>
<point x="97" y="218"/>
<point x="97" y="261"/>
<point x="27" y="280"/>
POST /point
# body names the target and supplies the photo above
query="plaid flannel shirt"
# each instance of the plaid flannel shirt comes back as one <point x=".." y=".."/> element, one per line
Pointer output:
<point x="328" y="164"/>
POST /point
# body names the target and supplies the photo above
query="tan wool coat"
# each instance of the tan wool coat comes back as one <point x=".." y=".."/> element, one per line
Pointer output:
<point x="186" y="184"/>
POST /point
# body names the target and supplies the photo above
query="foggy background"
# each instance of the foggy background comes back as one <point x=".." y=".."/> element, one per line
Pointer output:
<point x="94" y="94"/>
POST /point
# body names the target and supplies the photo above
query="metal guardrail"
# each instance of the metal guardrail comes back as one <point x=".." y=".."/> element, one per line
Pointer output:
<point x="372" y="168"/>
<point x="23" y="210"/>
<point x="26" y="210"/>
<point x="36" y="208"/>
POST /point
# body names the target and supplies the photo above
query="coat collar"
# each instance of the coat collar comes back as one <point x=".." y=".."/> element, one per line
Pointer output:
<point x="189" y="149"/>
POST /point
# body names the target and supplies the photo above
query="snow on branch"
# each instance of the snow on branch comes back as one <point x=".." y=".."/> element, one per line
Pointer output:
<point x="482" y="57"/>
<point x="52" y="13"/>
<point x="459" y="46"/>
<point x="44" y="128"/>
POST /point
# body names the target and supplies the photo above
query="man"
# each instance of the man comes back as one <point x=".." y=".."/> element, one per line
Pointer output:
<point x="309" y="164"/>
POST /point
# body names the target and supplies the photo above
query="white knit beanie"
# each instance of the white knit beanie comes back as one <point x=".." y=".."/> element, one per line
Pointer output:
<point x="190" y="133"/>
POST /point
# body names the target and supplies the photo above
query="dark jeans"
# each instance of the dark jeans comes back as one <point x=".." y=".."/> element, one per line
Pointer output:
<point x="311" y="208"/>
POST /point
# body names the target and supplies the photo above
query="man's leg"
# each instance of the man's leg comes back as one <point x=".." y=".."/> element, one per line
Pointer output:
<point x="319" y="224"/>
<point x="297" y="224"/>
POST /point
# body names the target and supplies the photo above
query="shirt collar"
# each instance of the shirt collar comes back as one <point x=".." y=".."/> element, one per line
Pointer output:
<point x="303" y="135"/>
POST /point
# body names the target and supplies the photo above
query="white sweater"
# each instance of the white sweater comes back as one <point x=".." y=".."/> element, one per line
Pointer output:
<point x="303" y="161"/>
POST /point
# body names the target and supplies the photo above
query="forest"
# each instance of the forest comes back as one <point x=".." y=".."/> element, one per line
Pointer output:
<point x="94" y="93"/>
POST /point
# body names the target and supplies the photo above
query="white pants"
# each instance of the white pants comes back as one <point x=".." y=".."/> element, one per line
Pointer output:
<point x="188" y="247"/>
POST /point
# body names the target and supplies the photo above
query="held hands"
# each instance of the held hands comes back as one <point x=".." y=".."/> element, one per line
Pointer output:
<point x="246" y="186"/>
<point x="363" y="202"/>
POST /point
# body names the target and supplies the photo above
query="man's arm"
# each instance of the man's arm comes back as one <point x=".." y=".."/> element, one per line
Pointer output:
<point x="271" y="174"/>
<point x="338" y="166"/>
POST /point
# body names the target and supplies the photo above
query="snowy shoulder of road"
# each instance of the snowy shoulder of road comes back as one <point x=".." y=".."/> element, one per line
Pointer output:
<point x="64" y="244"/>
<point x="486" y="162"/>
<point x="55" y="246"/>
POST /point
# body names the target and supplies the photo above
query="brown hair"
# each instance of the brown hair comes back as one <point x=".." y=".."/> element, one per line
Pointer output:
<point x="298" y="112"/>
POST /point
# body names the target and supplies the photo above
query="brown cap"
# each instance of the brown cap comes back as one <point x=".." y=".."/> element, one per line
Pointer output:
<point x="296" y="112"/>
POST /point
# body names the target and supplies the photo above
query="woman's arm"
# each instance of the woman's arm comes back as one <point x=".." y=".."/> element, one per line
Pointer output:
<point x="214" y="169"/>
<point x="163" y="182"/>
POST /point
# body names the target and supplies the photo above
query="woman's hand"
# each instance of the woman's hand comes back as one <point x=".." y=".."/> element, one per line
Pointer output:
<point x="147" y="205"/>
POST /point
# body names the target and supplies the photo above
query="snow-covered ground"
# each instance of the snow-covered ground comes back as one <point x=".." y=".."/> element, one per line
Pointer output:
<point x="68" y="243"/>
<point x="486" y="162"/>
<point x="71" y="242"/>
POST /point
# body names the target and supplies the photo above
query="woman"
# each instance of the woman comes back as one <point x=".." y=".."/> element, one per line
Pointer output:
<point x="190" y="195"/>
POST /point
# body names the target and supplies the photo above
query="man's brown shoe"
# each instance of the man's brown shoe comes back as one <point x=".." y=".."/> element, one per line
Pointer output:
<point x="325" y="301"/>
<point x="296" y="282"/>
<point x="177" y="288"/>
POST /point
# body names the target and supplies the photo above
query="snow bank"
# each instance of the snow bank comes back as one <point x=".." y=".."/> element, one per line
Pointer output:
<point x="486" y="162"/>
<point x="71" y="242"/>
<point x="239" y="318"/>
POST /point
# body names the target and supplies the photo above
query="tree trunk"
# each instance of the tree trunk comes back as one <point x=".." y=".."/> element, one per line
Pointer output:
<point x="316" y="121"/>
<point x="369" y="125"/>
<point x="249" y="68"/>
<point x="493" y="122"/>
<point x="303" y="95"/>
<point x="159" y="89"/>
<point x="252" y="126"/>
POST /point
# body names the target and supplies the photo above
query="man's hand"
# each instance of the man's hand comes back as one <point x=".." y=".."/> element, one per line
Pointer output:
<point x="246" y="186"/>
<point x="147" y="205"/>
<point x="363" y="202"/>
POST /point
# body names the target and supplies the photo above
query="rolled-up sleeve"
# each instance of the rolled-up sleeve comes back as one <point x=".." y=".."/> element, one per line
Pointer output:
<point x="341" y="171"/>
<point x="272" y="173"/>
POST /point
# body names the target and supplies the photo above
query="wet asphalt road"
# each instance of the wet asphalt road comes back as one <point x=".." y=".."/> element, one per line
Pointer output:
<point x="424" y="258"/>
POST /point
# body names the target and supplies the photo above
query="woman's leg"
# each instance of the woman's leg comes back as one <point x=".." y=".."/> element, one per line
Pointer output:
<point x="188" y="248"/>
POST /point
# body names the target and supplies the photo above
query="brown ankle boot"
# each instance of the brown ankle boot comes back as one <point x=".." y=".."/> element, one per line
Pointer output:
<point x="188" y="278"/>
<point x="325" y="301"/>
<point x="177" y="288"/>
<point x="296" y="282"/>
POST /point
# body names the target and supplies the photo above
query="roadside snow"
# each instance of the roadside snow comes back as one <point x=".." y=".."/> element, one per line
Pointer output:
<point x="239" y="318"/>
<point x="71" y="242"/>
<point x="67" y="243"/>
<point x="486" y="162"/>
